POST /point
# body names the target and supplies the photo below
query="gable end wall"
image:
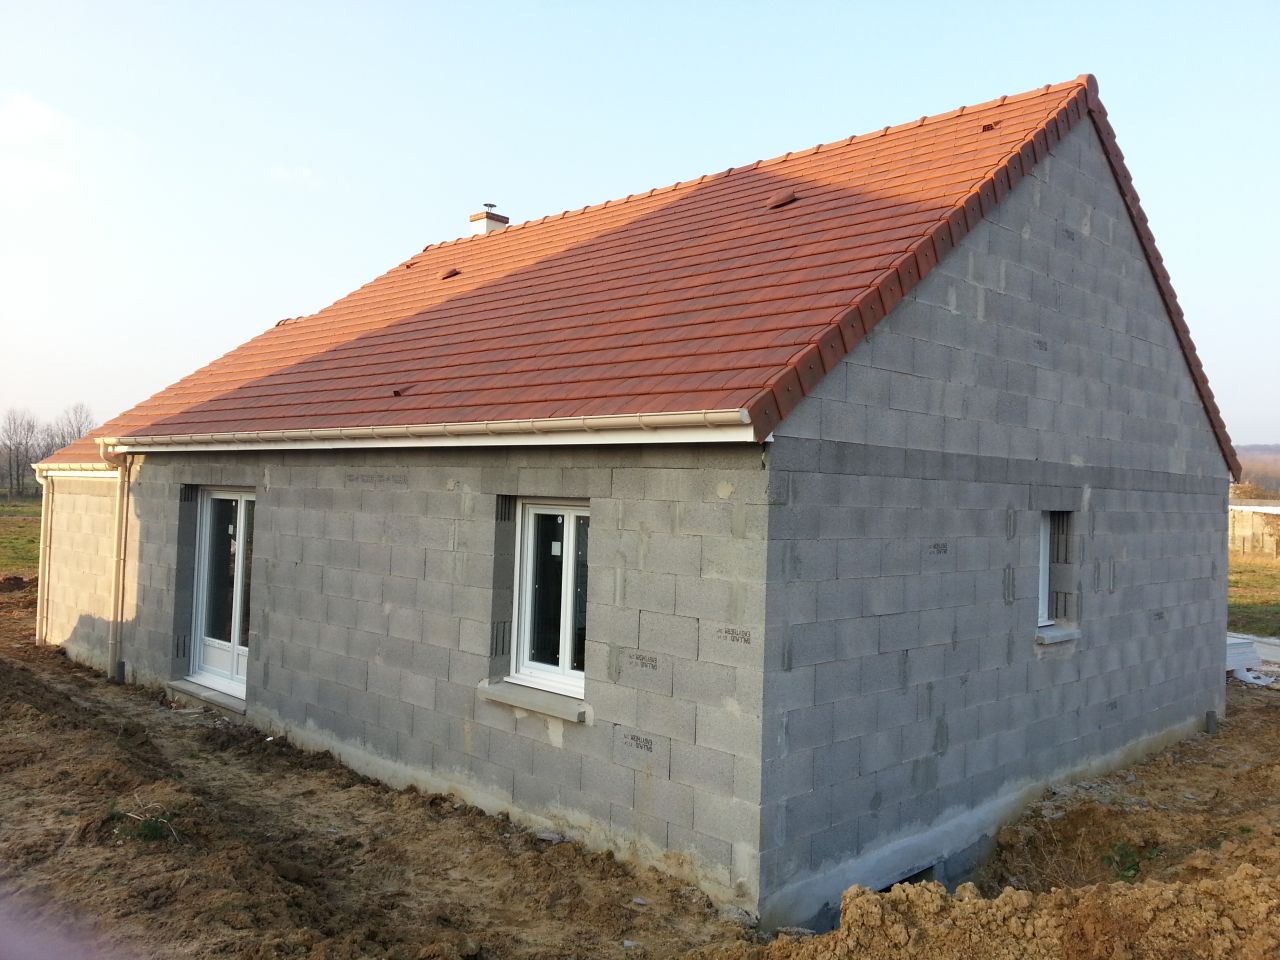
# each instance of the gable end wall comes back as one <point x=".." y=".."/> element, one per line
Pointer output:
<point x="908" y="706"/>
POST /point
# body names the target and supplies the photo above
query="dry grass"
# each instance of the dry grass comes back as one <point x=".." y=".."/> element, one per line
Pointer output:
<point x="19" y="536"/>
<point x="1253" y="594"/>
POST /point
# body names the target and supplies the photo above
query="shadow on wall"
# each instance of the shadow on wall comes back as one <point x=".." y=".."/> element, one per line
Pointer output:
<point x="87" y="641"/>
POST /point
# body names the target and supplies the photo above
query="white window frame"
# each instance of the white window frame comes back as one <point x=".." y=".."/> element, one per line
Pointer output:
<point x="217" y="679"/>
<point x="562" y="679"/>
<point x="1042" y="616"/>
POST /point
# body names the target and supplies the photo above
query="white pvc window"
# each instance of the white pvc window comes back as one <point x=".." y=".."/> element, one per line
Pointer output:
<point x="1055" y="570"/>
<point x="1043" y="618"/>
<point x="551" y="596"/>
<point x="220" y="614"/>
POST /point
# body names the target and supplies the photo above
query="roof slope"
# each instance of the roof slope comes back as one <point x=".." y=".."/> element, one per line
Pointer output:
<point x="709" y="295"/>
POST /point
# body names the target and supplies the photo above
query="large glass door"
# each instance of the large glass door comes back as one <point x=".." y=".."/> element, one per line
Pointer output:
<point x="220" y="645"/>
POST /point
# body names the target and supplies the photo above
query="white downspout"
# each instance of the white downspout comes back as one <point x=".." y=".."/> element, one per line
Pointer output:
<point x="46" y="545"/>
<point x="115" y="663"/>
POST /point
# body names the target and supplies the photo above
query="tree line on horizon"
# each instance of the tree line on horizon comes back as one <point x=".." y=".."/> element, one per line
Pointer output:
<point x="26" y="439"/>
<point x="1260" y="468"/>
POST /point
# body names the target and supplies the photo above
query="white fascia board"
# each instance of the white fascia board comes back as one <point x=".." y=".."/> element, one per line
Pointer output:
<point x="743" y="433"/>
<point x="112" y="474"/>
<point x="689" y="426"/>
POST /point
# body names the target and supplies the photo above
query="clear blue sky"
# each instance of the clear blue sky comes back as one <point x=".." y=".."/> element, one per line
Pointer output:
<point x="175" y="177"/>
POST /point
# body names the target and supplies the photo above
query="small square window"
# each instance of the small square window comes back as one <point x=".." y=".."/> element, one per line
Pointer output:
<point x="1055" y="596"/>
<point x="551" y="596"/>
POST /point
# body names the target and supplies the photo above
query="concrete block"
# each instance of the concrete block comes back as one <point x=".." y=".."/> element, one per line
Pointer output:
<point x="709" y="683"/>
<point x="738" y="645"/>
<point x="625" y="822"/>
<point x="555" y="763"/>
<point x="650" y="591"/>
<point x="674" y="719"/>
<point x="811" y="643"/>
<point x="669" y="634"/>
<point x="786" y="690"/>
<point x="857" y="638"/>
<point x="808" y="727"/>
<point x="895" y="708"/>
<point x="664" y="800"/>
<point x="418" y="690"/>
<point x="727" y="731"/>
<point x="611" y="702"/>
<point x="884" y="595"/>
<point x="725" y="818"/>
<point x="702" y="598"/>
<point x="643" y="669"/>
<point x="880" y="749"/>
<point x="806" y="814"/>
<point x="884" y="671"/>
<point x="618" y="626"/>
<point x="384" y="680"/>
<point x="642" y="751"/>
<point x="705" y="519"/>
<point x="714" y="855"/>
<point x="612" y="783"/>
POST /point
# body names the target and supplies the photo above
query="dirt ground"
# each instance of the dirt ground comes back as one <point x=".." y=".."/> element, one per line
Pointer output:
<point x="170" y="833"/>
<point x="148" y="830"/>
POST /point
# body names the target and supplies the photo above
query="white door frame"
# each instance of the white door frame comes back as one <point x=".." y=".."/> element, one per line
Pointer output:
<point x="230" y="680"/>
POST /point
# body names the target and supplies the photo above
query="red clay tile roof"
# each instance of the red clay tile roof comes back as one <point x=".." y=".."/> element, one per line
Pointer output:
<point x="716" y="294"/>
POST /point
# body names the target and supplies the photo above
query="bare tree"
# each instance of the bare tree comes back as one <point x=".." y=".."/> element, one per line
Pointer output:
<point x="70" y="425"/>
<point x="24" y="440"/>
<point x="19" y="434"/>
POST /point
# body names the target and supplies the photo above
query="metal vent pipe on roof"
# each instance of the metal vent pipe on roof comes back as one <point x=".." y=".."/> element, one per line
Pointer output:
<point x="487" y="221"/>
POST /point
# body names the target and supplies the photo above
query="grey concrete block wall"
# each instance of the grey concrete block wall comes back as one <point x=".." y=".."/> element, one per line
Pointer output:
<point x="377" y="577"/>
<point x="81" y="541"/>
<point x="1034" y="369"/>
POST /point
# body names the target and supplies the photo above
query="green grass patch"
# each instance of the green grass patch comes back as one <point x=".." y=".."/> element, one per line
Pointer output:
<point x="20" y="507"/>
<point x="19" y="545"/>
<point x="19" y="536"/>
<point x="1253" y="594"/>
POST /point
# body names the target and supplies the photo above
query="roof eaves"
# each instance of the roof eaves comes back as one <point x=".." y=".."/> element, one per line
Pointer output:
<point x="730" y="425"/>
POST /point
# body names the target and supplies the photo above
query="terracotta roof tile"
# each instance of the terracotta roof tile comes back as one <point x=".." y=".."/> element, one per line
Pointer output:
<point x="696" y="296"/>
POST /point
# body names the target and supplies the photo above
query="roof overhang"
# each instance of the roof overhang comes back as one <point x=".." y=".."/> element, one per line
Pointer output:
<point x="700" y="426"/>
<point x="79" y="471"/>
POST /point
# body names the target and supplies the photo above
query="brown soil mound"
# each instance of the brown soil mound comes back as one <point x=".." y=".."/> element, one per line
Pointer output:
<point x="1176" y="857"/>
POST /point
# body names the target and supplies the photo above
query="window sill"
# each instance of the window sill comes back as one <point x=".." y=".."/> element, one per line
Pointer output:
<point x="188" y="691"/>
<point x="534" y="700"/>
<point x="1056" y="633"/>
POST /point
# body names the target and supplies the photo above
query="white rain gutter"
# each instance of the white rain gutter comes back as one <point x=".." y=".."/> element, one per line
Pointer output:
<point x="699" y="426"/>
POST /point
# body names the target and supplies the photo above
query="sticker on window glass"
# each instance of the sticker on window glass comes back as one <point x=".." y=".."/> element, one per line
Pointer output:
<point x="555" y="548"/>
